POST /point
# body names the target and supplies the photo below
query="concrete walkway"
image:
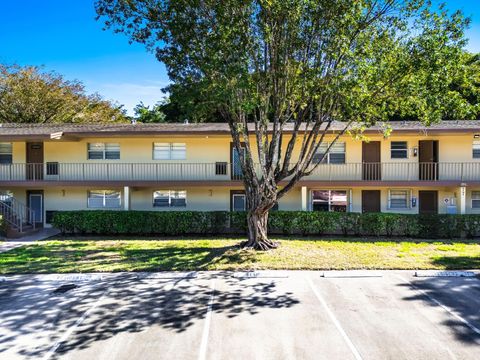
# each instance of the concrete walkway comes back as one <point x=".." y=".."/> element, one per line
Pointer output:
<point x="43" y="234"/>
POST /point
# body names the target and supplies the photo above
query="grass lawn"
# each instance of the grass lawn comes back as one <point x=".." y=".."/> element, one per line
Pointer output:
<point x="94" y="255"/>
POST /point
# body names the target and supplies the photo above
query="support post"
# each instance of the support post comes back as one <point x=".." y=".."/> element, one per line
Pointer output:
<point x="462" y="200"/>
<point x="304" y="198"/>
<point x="126" y="198"/>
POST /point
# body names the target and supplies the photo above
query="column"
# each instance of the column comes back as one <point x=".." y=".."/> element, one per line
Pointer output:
<point x="126" y="198"/>
<point x="304" y="198"/>
<point x="462" y="200"/>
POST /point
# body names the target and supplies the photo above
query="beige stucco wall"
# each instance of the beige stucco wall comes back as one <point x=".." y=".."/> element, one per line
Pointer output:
<point x="210" y="149"/>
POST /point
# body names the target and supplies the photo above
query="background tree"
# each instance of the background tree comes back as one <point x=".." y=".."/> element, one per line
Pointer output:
<point x="144" y="114"/>
<point x="294" y="67"/>
<point x="28" y="95"/>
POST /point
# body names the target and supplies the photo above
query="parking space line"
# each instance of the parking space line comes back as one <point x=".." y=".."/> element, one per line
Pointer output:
<point x="206" y="326"/>
<point x="87" y="312"/>
<point x="70" y="330"/>
<point x="339" y="327"/>
<point x="444" y="307"/>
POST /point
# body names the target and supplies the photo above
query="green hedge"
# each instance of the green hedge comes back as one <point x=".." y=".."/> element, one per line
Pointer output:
<point x="3" y="226"/>
<point x="280" y="222"/>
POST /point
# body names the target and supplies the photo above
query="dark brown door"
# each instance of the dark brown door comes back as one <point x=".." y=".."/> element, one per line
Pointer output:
<point x="371" y="161"/>
<point x="428" y="159"/>
<point x="428" y="202"/>
<point x="35" y="161"/>
<point x="370" y="201"/>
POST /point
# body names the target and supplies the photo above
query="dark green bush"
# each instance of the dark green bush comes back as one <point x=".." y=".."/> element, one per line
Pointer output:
<point x="3" y="226"/>
<point x="280" y="222"/>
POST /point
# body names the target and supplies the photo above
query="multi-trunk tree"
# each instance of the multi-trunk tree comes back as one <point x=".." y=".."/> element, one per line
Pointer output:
<point x="282" y="72"/>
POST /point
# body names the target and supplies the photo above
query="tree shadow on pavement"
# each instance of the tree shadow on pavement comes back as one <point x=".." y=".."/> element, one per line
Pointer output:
<point x="129" y="303"/>
<point x="460" y="295"/>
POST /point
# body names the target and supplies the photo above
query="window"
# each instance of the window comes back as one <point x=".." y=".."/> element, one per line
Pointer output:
<point x="336" y="154"/>
<point x="104" y="199"/>
<point x="476" y="149"/>
<point x="5" y="153"/>
<point x="329" y="200"/>
<point x="52" y="168"/>
<point x="169" y="151"/>
<point x="169" y="198"/>
<point x="475" y="199"/>
<point x="103" y="151"/>
<point x="399" y="199"/>
<point x="239" y="202"/>
<point x="398" y="150"/>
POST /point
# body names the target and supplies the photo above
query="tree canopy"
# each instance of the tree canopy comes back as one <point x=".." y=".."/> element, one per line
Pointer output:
<point x="293" y="67"/>
<point x="144" y="114"/>
<point x="29" y="95"/>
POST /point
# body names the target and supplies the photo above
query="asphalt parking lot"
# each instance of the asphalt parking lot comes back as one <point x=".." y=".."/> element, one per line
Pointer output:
<point x="263" y="315"/>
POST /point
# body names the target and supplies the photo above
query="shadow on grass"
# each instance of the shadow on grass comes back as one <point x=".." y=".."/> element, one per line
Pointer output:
<point x="127" y="304"/>
<point x="462" y="295"/>
<point x="76" y="256"/>
<point x="458" y="262"/>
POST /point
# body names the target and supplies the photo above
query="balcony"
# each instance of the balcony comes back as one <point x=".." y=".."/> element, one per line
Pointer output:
<point x="225" y="172"/>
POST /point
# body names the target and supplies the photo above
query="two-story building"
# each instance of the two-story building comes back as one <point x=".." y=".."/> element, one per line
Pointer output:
<point x="47" y="168"/>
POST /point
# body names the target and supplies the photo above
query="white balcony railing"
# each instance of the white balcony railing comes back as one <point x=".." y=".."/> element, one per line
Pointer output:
<point x="222" y="171"/>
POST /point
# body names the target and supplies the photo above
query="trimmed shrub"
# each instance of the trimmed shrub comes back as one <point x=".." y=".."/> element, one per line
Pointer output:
<point x="3" y="226"/>
<point x="110" y="222"/>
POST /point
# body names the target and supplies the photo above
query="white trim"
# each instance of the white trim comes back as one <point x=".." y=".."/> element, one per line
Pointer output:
<point x="409" y="199"/>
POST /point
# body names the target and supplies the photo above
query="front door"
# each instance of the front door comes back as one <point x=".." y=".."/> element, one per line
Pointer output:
<point x="370" y="201"/>
<point x="237" y="173"/>
<point x="238" y="201"/>
<point x="428" y="202"/>
<point x="428" y="159"/>
<point x="35" y="203"/>
<point x="371" y="161"/>
<point x="35" y="161"/>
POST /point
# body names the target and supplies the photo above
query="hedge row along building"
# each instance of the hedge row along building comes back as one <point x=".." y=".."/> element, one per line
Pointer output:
<point x="48" y="168"/>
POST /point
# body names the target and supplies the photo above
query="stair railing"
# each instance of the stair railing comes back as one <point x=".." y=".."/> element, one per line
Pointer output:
<point x="17" y="214"/>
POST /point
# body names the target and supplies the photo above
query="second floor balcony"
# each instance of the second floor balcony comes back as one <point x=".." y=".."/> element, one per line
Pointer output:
<point x="223" y="172"/>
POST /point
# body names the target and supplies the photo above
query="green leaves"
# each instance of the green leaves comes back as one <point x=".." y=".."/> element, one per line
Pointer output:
<point x="28" y="95"/>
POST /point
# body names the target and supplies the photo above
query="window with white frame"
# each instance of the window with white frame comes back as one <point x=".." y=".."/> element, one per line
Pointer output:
<point x="399" y="199"/>
<point x="5" y="153"/>
<point x="103" y="151"/>
<point x="398" y="150"/>
<point x="169" y="151"/>
<point x="170" y="198"/>
<point x="98" y="199"/>
<point x="475" y="199"/>
<point x="239" y="202"/>
<point x="476" y="149"/>
<point x="329" y="200"/>
<point x="336" y="155"/>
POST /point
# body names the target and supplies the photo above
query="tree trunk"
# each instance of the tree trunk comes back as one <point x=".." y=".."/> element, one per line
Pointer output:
<point x="257" y="231"/>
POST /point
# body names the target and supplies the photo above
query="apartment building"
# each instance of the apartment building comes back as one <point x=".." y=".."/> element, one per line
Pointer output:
<point x="163" y="167"/>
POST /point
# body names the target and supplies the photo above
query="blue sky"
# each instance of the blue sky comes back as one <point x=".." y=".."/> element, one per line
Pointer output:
<point x="62" y="35"/>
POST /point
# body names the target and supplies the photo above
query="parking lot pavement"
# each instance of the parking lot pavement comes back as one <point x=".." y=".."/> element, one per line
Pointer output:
<point x="264" y="315"/>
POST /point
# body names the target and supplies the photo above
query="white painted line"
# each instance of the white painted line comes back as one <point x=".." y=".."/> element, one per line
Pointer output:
<point x="70" y="330"/>
<point x="79" y="277"/>
<point x="259" y="274"/>
<point x="352" y="274"/>
<point x="171" y="275"/>
<point x="433" y="273"/>
<point x="339" y="327"/>
<point x="80" y="320"/>
<point x="452" y="312"/>
<point x="202" y="355"/>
